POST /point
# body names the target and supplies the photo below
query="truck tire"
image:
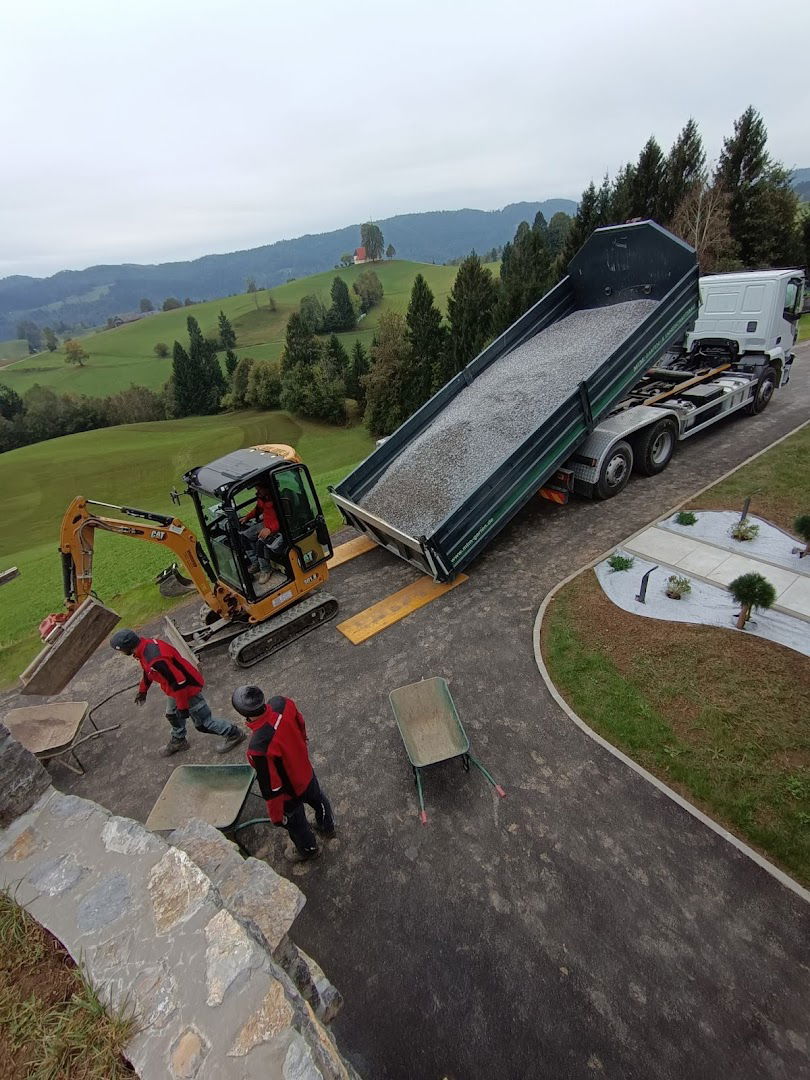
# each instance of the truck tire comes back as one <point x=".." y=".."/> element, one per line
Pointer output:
<point x="764" y="392"/>
<point x="655" y="447"/>
<point x="615" y="470"/>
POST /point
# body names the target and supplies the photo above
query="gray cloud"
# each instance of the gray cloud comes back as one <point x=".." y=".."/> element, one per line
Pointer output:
<point x="154" y="131"/>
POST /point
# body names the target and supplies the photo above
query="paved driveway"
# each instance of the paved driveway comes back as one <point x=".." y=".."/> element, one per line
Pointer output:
<point x="583" y="926"/>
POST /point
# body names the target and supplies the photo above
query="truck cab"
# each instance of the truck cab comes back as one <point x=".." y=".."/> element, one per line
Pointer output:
<point x="752" y="316"/>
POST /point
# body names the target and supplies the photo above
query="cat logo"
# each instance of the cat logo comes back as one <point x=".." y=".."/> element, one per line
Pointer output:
<point x="158" y="535"/>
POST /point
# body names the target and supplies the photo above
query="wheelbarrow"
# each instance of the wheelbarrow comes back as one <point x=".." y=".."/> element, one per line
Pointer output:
<point x="432" y="731"/>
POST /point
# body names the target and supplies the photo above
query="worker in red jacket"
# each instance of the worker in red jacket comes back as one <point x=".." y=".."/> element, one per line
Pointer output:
<point x="262" y="531"/>
<point x="278" y="751"/>
<point x="182" y="683"/>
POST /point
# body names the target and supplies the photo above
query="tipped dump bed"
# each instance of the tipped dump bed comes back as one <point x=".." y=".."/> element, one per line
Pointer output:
<point x="454" y="474"/>
<point x="487" y="422"/>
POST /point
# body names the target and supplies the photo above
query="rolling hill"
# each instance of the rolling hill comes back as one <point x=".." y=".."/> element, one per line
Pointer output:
<point x="125" y="356"/>
<point x="91" y="295"/>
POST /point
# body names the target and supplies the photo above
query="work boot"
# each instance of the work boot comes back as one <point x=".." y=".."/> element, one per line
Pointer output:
<point x="174" y="746"/>
<point x="292" y="854"/>
<point x="262" y="577"/>
<point x="230" y="741"/>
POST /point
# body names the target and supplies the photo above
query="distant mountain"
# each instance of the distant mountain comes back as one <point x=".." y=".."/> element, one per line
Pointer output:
<point x="800" y="182"/>
<point x="91" y="295"/>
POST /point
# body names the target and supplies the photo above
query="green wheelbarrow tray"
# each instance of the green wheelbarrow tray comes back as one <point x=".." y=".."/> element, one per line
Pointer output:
<point x="431" y="730"/>
<point x="212" y="793"/>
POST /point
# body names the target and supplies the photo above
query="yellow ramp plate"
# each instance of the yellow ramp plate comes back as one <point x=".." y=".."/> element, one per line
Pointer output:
<point x="350" y="550"/>
<point x="395" y="607"/>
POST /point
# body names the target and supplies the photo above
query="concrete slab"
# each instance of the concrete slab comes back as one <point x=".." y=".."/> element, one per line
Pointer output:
<point x="735" y="565"/>
<point x="703" y="560"/>
<point x="797" y="597"/>
<point x="655" y="544"/>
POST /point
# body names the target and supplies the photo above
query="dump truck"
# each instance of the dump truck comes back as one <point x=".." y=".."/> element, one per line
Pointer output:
<point x="602" y="377"/>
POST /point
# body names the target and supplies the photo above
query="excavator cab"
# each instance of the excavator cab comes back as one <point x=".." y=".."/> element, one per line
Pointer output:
<point x="225" y="498"/>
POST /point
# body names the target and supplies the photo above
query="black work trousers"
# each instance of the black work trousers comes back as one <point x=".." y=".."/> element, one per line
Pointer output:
<point x="295" y="816"/>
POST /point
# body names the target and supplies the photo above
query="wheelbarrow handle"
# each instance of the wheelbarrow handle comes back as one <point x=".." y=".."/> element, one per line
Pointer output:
<point x="488" y="775"/>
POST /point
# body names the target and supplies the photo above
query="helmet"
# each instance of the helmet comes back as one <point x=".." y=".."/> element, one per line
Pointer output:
<point x="125" y="641"/>
<point x="248" y="700"/>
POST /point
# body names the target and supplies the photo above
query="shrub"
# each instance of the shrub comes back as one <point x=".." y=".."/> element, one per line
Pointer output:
<point x="751" y="591"/>
<point x="744" y="530"/>
<point x="620" y="562"/>
<point x="802" y="527"/>
<point x="685" y="517"/>
<point x="678" y="586"/>
<point x="161" y="349"/>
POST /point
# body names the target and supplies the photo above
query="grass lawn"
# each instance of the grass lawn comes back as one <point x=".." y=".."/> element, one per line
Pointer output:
<point x="52" y="1025"/>
<point x="778" y="481"/>
<point x="122" y="357"/>
<point x="13" y="350"/>
<point x="719" y="716"/>
<point x="135" y="465"/>
<point x="804" y="328"/>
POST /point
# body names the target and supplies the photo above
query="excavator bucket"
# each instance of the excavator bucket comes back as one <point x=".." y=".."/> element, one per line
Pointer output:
<point x="71" y="643"/>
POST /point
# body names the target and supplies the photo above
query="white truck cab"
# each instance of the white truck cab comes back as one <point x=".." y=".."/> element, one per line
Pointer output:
<point x="754" y="315"/>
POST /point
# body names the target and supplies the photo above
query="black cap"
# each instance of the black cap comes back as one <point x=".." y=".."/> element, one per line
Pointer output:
<point x="248" y="700"/>
<point x="125" y="641"/>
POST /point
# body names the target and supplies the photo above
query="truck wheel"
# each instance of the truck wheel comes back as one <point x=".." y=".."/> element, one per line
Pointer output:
<point x="655" y="447"/>
<point x="615" y="471"/>
<point x="764" y="392"/>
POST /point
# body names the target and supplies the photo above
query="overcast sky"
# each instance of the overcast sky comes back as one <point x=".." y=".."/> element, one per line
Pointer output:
<point x="149" y="131"/>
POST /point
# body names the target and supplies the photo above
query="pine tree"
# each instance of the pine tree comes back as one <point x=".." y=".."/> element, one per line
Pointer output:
<point x="239" y="383"/>
<point x="621" y="195"/>
<point x="227" y="335"/>
<point x="205" y="363"/>
<point x="391" y="359"/>
<point x="301" y="347"/>
<point x="336" y="358"/>
<point x="341" y="315"/>
<point x="358" y="369"/>
<point x="428" y="340"/>
<point x="231" y="360"/>
<point x="557" y="231"/>
<point x="585" y="221"/>
<point x="185" y="382"/>
<point x="469" y="313"/>
<point x="648" y="182"/>
<point x="525" y="268"/>
<point x="762" y="205"/>
<point x="684" y="168"/>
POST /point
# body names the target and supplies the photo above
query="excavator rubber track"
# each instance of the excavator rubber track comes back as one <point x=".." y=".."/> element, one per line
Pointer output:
<point x="263" y="640"/>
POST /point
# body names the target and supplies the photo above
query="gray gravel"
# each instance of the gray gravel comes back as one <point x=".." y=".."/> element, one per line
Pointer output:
<point x="489" y="420"/>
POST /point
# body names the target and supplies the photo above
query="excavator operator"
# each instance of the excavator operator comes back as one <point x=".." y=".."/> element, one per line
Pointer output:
<point x="262" y="536"/>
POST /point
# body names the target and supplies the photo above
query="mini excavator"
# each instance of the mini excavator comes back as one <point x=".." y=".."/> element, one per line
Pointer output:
<point x="257" y="619"/>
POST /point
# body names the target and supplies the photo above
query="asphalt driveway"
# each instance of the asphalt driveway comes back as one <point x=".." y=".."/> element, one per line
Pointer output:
<point x="583" y="926"/>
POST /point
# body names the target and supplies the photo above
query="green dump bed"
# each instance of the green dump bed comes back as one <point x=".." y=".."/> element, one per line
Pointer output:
<point x="411" y="470"/>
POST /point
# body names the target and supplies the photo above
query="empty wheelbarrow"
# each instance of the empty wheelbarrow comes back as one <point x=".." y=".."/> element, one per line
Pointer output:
<point x="432" y="731"/>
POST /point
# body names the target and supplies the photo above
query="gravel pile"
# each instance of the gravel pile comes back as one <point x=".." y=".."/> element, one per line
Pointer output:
<point x="489" y="420"/>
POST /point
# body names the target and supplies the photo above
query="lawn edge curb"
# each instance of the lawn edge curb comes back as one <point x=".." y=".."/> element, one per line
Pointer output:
<point x="764" y="864"/>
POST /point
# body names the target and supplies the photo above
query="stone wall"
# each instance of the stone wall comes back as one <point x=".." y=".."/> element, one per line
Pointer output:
<point x="186" y="934"/>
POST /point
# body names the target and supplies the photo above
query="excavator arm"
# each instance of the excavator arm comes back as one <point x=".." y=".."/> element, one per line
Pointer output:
<point x="77" y="543"/>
